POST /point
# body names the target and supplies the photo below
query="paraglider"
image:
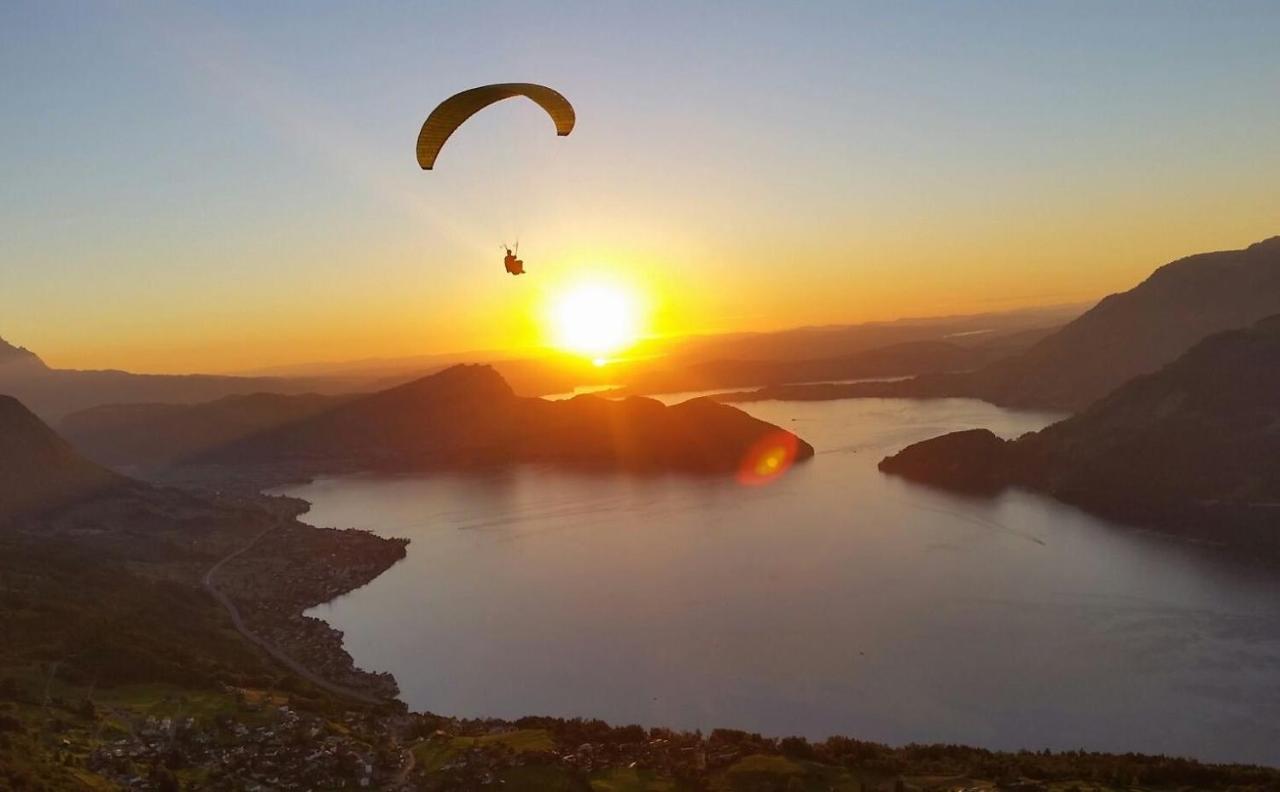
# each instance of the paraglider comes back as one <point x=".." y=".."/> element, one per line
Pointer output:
<point x="454" y="112"/>
<point x="514" y="265"/>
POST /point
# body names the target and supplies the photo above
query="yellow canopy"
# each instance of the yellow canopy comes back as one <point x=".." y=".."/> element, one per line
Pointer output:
<point x="454" y="111"/>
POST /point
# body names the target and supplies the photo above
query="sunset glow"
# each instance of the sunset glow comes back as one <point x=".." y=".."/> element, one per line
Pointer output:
<point x="319" y="238"/>
<point x="640" y="395"/>
<point x="595" y="319"/>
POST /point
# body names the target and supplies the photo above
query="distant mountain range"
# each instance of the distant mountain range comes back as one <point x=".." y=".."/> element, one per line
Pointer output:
<point x="53" y="393"/>
<point x="1125" y="335"/>
<point x="904" y="348"/>
<point x="904" y="359"/>
<point x="1138" y="331"/>
<point x="464" y="416"/>
<point x="1193" y="447"/>
<point x="834" y="341"/>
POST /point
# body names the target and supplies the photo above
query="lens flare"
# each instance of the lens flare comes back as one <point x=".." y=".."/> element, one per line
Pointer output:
<point x="767" y="459"/>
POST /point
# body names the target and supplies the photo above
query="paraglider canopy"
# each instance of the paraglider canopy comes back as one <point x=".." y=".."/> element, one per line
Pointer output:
<point x="454" y="111"/>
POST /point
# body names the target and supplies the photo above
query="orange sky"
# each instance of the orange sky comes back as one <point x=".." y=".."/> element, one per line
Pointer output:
<point x="250" y="198"/>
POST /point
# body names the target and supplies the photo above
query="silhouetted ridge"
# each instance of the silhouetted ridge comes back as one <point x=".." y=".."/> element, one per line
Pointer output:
<point x="1123" y="336"/>
<point x="1194" y="446"/>
<point x="1138" y="331"/>
<point x="54" y="393"/>
<point x="38" y="469"/>
<point x="466" y="381"/>
<point x="902" y="359"/>
<point x="457" y="409"/>
<point x="17" y="356"/>
<point x="468" y="416"/>
<point x="638" y="434"/>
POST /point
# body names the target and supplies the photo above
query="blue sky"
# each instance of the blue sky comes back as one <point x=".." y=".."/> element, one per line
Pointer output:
<point x="229" y="185"/>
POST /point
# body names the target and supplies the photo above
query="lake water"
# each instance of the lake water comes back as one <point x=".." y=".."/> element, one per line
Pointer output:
<point x="835" y="600"/>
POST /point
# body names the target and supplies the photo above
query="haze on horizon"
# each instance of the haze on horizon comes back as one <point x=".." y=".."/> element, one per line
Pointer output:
<point x="233" y="187"/>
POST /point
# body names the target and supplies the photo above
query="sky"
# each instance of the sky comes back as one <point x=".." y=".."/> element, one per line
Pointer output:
<point x="230" y="186"/>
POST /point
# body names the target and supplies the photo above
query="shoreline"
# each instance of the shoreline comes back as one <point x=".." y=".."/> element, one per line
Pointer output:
<point x="515" y="715"/>
<point x="268" y="586"/>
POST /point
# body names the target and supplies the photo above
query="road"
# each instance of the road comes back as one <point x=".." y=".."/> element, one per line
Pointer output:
<point x="268" y="647"/>
<point x="406" y="767"/>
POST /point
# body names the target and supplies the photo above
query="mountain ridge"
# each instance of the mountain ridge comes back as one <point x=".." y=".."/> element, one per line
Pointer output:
<point x="1125" y="335"/>
<point x="11" y="355"/>
<point x="1139" y="330"/>
<point x="1190" y="448"/>
<point x="468" y="416"/>
<point x="40" y="470"/>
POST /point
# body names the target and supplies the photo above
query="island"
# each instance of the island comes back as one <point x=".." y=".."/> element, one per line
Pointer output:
<point x="463" y="418"/>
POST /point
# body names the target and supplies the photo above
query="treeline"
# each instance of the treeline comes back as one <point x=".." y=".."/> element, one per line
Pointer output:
<point x="871" y="759"/>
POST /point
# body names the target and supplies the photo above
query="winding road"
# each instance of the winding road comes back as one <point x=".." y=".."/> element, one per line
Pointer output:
<point x="268" y="647"/>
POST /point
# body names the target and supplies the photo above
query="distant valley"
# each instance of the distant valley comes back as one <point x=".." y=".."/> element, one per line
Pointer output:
<point x="1123" y="336"/>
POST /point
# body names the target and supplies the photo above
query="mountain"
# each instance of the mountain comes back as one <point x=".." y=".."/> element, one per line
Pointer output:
<point x="895" y="360"/>
<point x="1194" y="447"/>
<point x="54" y="393"/>
<point x="1138" y="331"/>
<point x="146" y="436"/>
<point x="38" y="469"/>
<point x="526" y="374"/>
<point x="16" y="358"/>
<point x="903" y="348"/>
<point x="469" y="416"/>
<point x="806" y="343"/>
<point x="1125" y="335"/>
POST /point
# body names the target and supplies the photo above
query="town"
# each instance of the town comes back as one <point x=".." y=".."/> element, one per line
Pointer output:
<point x="165" y="739"/>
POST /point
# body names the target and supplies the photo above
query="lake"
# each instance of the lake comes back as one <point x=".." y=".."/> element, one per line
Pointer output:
<point x="836" y="600"/>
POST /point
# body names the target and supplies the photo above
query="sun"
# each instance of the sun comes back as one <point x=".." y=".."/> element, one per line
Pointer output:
<point x="595" y="319"/>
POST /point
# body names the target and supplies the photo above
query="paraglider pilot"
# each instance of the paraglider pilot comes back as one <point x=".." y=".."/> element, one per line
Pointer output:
<point x="514" y="265"/>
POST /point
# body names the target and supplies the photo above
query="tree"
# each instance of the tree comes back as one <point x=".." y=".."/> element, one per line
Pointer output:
<point x="796" y="748"/>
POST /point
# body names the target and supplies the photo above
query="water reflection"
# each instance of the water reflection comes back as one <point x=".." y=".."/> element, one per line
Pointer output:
<point x="835" y="600"/>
